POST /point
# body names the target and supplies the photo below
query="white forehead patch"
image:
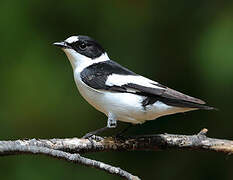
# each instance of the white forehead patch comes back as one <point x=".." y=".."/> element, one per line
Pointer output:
<point x="71" y="39"/>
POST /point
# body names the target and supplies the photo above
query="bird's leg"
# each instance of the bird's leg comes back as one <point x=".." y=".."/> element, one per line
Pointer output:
<point x="112" y="123"/>
<point x="119" y="134"/>
<point x="97" y="131"/>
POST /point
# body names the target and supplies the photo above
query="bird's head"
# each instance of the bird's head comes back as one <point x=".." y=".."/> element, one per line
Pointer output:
<point x="82" y="51"/>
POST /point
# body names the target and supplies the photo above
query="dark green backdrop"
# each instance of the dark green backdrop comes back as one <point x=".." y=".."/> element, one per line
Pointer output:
<point x="187" y="45"/>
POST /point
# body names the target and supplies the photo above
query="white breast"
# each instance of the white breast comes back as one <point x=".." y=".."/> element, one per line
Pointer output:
<point x="127" y="107"/>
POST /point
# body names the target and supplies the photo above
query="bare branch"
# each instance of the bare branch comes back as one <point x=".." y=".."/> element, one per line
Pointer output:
<point x="68" y="148"/>
<point x="19" y="147"/>
<point x="137" y="143"/>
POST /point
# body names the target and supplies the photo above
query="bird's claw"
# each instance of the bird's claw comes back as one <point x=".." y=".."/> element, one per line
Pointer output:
<point x="87" y="136"/>
<point x="92" y="137"/>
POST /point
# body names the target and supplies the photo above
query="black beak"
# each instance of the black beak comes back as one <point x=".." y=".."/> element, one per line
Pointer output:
<point x="61" y="44"/>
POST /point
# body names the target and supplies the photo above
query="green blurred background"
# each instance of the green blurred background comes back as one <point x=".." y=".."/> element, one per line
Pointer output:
<point x="187" y="45"/>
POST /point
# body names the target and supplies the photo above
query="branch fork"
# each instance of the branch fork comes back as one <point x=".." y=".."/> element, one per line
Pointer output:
<point x="70" y="149"/>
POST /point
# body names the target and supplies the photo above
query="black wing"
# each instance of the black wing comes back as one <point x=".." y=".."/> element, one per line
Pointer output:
<point x="167" y="96"/>
<point x="97" y="74"/>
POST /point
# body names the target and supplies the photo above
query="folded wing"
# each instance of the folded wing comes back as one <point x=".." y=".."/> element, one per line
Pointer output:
<point x="109" y="75"/>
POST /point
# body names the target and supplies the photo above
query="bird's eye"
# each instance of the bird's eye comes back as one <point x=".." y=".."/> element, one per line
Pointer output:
<point x="82" y="46"/>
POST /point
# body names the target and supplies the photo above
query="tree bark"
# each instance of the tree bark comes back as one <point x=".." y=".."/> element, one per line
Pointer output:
<point x="70" y="148"/>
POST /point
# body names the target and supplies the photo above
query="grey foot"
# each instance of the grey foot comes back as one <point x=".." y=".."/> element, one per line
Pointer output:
<point x="112" y="123"/>
<point x="90" y="134"/>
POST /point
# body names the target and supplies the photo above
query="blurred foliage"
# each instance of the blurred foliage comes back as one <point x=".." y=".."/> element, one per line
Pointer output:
<point x="187" y="45"/>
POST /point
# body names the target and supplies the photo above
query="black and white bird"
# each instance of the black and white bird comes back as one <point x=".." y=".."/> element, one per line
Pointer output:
<point x="118" y="92"/>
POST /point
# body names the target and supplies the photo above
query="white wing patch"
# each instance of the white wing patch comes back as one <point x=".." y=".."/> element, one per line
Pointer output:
<point x="119" y="80"/>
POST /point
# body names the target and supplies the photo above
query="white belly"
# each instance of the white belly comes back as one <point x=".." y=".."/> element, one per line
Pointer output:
<point x="126" y="106"/>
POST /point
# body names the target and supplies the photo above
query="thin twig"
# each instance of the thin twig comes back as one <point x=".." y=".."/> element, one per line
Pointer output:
<point x="8" y="148"/>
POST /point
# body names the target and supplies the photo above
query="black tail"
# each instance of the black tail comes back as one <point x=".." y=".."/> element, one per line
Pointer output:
<point x="186" y="104"/>
<point x="206" y="107"/>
